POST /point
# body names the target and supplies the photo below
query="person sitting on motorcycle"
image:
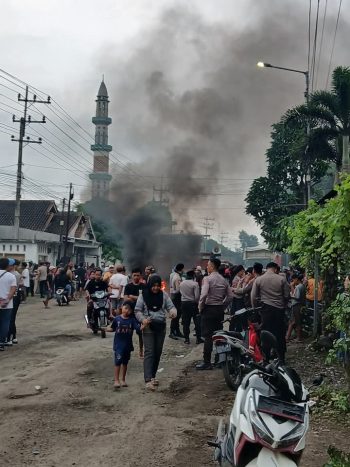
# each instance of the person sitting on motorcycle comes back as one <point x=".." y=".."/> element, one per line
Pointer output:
<point x="94" y="285"/>
<point x="62" y="281"/>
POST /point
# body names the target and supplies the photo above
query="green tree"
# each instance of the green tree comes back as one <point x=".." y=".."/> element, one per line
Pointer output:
<point x="282" y="192"/>
<point x="325" y="231"/>
<point x="329" y="115"/>
<point x="247" y="240"/>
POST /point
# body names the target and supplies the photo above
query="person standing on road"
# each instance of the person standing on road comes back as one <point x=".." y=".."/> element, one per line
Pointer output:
<point x="12" y="334"/>
<point x="50" y="285"/>
<point x="175" y="295"/>
<point x="298" y="300"/>
<point x="151" y="310"/>
<point x="272" y="290"/>
<point x="117" y="284"/>
<point x="26" y="279"/>
<point x="8" y="287"/>
<point x="189" y="289"/>
<point x="31" y="278"/>
<point x="131" y="294"/>
<point x="215" y="296"/>
<point x="42" y="279"/>
<point x="81" y="275"/>
<point x="123" y="326"/>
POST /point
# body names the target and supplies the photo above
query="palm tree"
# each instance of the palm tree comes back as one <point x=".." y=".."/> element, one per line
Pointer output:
<point x="328" y="113"/>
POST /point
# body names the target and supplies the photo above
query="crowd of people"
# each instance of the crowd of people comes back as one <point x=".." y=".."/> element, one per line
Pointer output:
<point x="140" y="303"/>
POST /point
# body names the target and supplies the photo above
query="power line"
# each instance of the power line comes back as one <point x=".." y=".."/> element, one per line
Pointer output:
<point x="321" y="43"/>
<point x="309" y="37"/>
<point x="116" y="160"/>
<point x="315" y="46"/>
<point x="332" y="52"/>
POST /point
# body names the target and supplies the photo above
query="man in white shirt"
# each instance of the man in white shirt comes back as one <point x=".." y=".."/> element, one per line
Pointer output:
<point x="26" y="279"/>
<point x="117" y="285"/>
<point x="8" y="287"/>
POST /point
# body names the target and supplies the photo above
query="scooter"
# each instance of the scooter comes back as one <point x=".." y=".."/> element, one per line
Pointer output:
<point x="269" y="418"/>
<point x="234" y="350"/>
<point x="100" y="312"/>
<point x="61" y="296"/>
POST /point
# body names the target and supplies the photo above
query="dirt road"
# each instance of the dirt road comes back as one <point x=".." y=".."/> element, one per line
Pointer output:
<point x="77" y="419"/>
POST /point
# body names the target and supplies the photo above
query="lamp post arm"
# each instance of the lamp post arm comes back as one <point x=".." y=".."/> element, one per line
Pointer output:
<point x="287" y="69"/>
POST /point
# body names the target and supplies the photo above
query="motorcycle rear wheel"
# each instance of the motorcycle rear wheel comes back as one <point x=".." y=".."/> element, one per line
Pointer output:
<point x="232" y="371"/>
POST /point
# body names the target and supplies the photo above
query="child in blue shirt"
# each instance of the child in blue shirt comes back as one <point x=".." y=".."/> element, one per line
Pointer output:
<point x="124" y="326"/>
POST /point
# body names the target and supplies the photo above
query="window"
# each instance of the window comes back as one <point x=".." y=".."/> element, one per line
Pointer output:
<point x="3" y="247"/>
<point x="24" y="247"/>
<point x="17" y="247"/>
<point x="10" y="247"/>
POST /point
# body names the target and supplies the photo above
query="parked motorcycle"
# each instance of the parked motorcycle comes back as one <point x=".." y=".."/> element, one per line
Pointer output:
<point x="234" y="350"/>
<point x="269" y="418"/>
<point x="101" y="309"/>
<point x="61" y="296"/>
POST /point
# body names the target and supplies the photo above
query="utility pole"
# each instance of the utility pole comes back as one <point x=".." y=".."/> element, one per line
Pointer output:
<point x="71" y="196"/>
<point x="162" y="191"/>
<point x="207" y="225"/>
<point x="223" y="237"/>
<point x="308" y="170"/>
<point x="61" y="229"/>
<point x="21" y="141"/>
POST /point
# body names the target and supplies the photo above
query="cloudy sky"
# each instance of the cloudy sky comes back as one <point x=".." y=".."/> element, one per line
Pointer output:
<point x="187" y="100"/>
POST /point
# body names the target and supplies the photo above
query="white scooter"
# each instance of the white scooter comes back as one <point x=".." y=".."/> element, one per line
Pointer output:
<point x="269" y="418"/>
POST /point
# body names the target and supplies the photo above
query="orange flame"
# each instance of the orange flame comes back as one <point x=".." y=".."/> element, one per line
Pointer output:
<point x="163" y="285"/>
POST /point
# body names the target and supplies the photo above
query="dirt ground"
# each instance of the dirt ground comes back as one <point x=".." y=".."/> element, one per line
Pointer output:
<point x="76" y="419"/>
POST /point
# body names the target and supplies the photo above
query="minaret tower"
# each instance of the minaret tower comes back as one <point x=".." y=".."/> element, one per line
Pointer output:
<point x="101" y="177"/>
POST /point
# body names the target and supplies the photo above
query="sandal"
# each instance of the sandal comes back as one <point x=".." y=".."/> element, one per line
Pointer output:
<point x="124" y="384"/>
<point x="116" y="386"/>
<point x="155" y="382"/>
<point x="150" y="386"/>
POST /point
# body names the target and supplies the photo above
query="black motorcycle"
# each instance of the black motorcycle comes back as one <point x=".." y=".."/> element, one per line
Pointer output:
<point x="100" y="315"/>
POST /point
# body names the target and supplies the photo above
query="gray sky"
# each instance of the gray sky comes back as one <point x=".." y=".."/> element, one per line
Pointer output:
<point x="179" y="74"/>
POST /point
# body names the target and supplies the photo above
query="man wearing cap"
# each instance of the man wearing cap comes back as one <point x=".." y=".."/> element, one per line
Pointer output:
<point x="216" y="294"/>
<point x="8" y="287"/>
<point x="272" y="291"/>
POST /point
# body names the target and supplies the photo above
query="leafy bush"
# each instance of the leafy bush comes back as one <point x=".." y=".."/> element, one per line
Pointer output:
<point x="333" y="401"/>
<point x="337" y="458"/>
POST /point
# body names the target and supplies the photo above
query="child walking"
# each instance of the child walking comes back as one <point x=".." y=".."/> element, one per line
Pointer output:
<point x="123" y="325"/>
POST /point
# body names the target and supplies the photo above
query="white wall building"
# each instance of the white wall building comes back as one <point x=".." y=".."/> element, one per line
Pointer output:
<point x="41" y="228"/>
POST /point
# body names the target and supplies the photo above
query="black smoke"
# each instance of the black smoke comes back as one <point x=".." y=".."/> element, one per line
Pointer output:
<point x="189" y="103"/>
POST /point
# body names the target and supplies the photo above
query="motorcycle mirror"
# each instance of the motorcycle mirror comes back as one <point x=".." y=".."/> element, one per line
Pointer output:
<point x="213" y="444"/>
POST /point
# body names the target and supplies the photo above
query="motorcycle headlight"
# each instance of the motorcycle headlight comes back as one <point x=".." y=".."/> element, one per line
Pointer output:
<point x="293" y="436"/>
<point x="258" y="426"/>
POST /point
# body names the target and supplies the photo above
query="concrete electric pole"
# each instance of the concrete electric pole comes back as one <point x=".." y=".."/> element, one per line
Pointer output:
<point x="71" y="196"/>
<point x="21" y="141"/>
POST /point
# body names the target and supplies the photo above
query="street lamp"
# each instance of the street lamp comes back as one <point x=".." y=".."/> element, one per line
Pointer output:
<point x="294" y="70"/>
<point x="306" y="94"/>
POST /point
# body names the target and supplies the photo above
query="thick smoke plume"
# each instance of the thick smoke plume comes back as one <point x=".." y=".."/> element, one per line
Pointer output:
<point x="189" y="103"/>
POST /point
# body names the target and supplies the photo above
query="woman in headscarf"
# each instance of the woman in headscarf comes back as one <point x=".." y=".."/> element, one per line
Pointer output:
<point x="151" y="310"/>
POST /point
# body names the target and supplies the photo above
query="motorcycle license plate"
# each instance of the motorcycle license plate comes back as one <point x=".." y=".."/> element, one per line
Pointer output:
<point x="223" y="348"/>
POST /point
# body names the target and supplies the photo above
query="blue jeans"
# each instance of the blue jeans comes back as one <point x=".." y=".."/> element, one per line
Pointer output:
<point x="5" y="318"/>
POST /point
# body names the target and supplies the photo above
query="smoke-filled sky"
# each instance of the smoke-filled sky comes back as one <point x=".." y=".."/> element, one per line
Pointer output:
<point x="187" y="100"/>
